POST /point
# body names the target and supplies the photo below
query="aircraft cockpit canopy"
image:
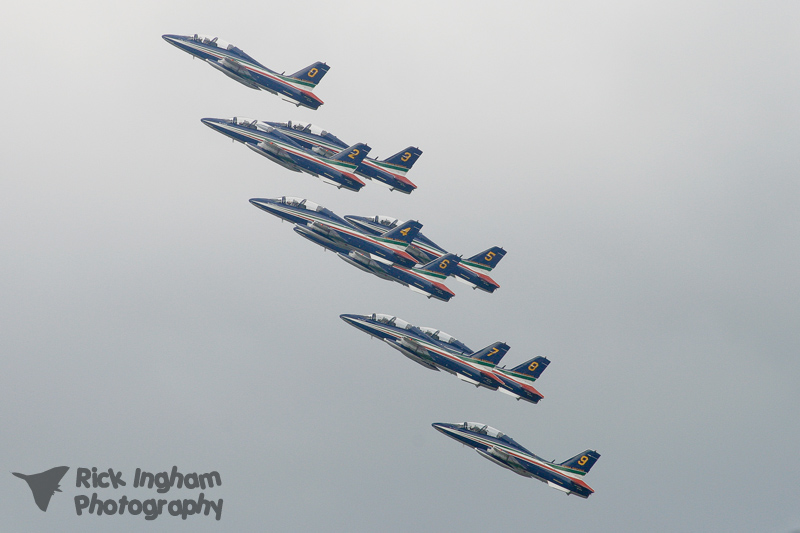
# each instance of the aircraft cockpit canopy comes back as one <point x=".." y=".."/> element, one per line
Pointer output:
<point x="446" y="338"/>
<point x="393" y="321"/>
<point x="246" y="122"/>
<point x="484" y="429"/>
<point x="208" y="40"/>
<point x="314" y="130"/>
<point x="383" y="220"/>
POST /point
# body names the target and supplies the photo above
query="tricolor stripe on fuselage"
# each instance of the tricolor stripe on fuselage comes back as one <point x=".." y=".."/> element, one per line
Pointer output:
<point x="298" y="85"/>
<point x="259" y="136"/>
<point x="394" y="332"/>
<point x="532" y="460"/>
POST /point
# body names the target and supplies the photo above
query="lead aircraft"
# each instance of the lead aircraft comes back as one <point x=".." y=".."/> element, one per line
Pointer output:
<point x="437" y="350"/>
<point x="337" y="169"/>
<point x="472" y="271"/>
<point x="382" y="255"/>
<point x="504" y="451"/>
<point x="390" y="172"/>
<point x="236" y="64"/>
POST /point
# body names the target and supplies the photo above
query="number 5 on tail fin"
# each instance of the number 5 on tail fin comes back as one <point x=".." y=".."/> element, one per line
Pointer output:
<point x="312" y="74"/>
<point x="582" y="463"/>
<point x="492" y="353"/>
<point x="487" y="259"/>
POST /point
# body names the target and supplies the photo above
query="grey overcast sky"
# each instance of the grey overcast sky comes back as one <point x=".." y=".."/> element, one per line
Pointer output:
<point x="639" y="162"/>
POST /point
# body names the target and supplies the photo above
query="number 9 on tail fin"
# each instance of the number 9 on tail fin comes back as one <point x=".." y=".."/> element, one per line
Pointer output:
<point x="583" y="462"/>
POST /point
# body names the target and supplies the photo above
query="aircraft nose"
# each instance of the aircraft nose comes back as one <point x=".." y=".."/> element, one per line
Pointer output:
<point x="261" y="203"/>
<point x="170" y="38"/>
<point x="350" y="319"/>
<point x="441" y="427"/>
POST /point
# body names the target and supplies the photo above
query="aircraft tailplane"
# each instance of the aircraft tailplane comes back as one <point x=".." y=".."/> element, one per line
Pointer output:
<point x="404" y="232"/>
<point x="354" y="154"/>
<point x="405" y="158"/>
<point x="533" y="368"/>
<point x="444" y="265"/>
<point x="582" y="462"/>
<point x="312" y="73"/>
<point x="492" y="353"/>
<point x="488" y="259"/>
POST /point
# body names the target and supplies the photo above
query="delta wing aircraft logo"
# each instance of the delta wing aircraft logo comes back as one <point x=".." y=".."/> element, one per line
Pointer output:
<point x="44" y="485"/>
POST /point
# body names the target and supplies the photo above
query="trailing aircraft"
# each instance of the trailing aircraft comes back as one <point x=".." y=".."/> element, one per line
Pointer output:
<point x="267" y="141"/>
<point x="390" y="172"/>
<point x="437" y="350"/>
<point x="236" y="64"/>
<point x="471" y="271"/>
<point x="504" y="451"/>
<point x="382" y="255"/>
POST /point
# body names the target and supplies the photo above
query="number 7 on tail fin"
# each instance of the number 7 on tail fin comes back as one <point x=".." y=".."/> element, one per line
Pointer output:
<point x="492" y="353"/>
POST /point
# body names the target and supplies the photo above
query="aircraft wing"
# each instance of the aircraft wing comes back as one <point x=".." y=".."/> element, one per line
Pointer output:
<point x="327" y="231"/>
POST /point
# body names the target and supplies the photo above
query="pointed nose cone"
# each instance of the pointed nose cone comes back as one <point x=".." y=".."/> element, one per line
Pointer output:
<point x="172" y="39"/>
<point x="350" y="319"/>
<point x="213" y="123"/>
<point x="441" y="427"/>
<point x="262" y="203"/>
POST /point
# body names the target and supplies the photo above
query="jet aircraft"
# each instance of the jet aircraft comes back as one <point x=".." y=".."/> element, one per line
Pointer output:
<point x="382" y="255"/>
<point x="506" y="452"/>
<point x="237" y="65"/>
<point x="437" y="350"/>
<point x="471" y="271"/>
<point x="390" y="172"/>
<point x="268" y="141"/>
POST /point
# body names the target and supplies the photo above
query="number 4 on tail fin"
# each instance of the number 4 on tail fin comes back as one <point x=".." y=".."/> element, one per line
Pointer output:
<point x="404" y="232"/>
<point x="492" y="353"/>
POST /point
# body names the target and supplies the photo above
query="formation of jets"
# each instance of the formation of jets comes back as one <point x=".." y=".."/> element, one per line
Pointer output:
<point x="508" y="453"/>
<point x="384" y="246"/>
<point x="384" y="254"/>
<point x="437" y="350"/>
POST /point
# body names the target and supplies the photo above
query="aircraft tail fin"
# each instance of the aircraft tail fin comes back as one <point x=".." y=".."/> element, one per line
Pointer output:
<point x="354" y="154"/>
<point x="444" y="265"/>
<point x="487" y="259"/>
<point x="312" y="73"/>
<point x="492" y="353"/>
<point x="405" y="158"/>
<point x="582" y="463"/>
<point x="533" y="368"/>
<point x="404" y="232"/>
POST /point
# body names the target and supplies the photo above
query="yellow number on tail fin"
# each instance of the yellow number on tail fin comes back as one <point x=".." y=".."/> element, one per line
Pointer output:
<point x="494" y="351"/>
<point x="583" y="460"/>
<point x="489" y="256"/>
<point x="405" y="231"/>
<point x="406" y="156"/>
<point x="533" y="366"/>
<point x="312" y="72"/>
<point x="444" y="264"/>
<point x="354" y="153"/>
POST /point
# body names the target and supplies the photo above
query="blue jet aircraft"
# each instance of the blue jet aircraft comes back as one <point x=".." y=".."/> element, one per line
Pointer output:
<point x="382" y="255"/>
<point x="239" y="66"/>
<point x="437" y="350"/>
<point x="265" y="140"/>
<point x="390" y="172"/>
<point x="506" y="452"/>
<point x="471" y="271"/>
